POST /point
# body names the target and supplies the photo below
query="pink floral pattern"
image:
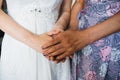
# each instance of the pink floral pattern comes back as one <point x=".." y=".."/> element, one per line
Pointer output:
<point x="104" y="52"/>
<point x="100" y="60"/>
<point x="90" y="75"/>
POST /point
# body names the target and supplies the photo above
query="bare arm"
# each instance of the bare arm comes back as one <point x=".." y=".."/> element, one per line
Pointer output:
<point x="107" y="27"/>
<point x="64" y="14"/>
<point x="70" y="43"/>
<point x="10" y="27"/>
<point x="77" y="7"/>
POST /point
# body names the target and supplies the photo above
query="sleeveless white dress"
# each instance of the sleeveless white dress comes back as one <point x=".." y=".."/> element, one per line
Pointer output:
<point x="20" y="62"/>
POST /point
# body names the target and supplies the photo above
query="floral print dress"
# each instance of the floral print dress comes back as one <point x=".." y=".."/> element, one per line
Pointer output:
<point x="100" y="60"/>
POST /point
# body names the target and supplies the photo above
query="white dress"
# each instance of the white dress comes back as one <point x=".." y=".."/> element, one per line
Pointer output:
<point x="20" y="62"/>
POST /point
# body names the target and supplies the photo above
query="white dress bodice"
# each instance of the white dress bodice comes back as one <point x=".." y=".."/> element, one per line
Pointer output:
<point x="44" y="11"/>
<point x="19" y="61"/>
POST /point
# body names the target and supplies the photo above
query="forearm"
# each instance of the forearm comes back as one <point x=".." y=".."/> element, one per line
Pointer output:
<point x="106" y="28"/>
<point x="82" y="38"/>
<point x="64" y="14"/>
<point x="77" y="7"/>
<point x="10" y="27"/>
<point x="63" y="20"/>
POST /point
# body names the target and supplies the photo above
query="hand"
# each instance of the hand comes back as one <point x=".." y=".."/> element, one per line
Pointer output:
<point x="66" y="44"/>
<point x="39" y="40"/>
<point x="55" y="30"/>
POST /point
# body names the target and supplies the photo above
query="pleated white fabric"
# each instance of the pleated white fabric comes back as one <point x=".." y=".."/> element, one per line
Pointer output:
<point x="20" y="62"/>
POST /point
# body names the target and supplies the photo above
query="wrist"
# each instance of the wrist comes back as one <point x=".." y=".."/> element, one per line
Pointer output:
<point x="89" y="34"/>
<point x="58" y="26"/>
<point x="82" y="38"/>
<point x="31" y="40"/>
<point x="75" y="38"/>
<point x="61" y="25"/>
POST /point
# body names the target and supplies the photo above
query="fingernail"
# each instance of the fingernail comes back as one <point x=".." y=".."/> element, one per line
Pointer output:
<point x="44" y="54"/>
<point x="43" y="47"/>
<point x="58" y="58"/>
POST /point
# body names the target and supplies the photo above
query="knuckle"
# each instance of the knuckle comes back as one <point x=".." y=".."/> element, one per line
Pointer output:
<point x="61" y="57"/>
<point x="57" y="53"/>
<point x="61" y="51"/>
<point x="46" y="51"/>
<point x="54" y="47"/>
<point x="58" y="46"/>
<point x="50" y="51"/>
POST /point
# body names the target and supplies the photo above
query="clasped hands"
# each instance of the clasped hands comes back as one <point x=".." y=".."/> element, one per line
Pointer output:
<point x="64" y="44"/>
<point x="58" y="48"/>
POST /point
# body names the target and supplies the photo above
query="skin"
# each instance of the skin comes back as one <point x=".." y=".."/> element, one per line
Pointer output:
<point x="70" y="41"/>
<point x="62" y="22"/>
<point x="10" y="27"/>
<point x="0" y="3"/>
<point x="76" y="8"/>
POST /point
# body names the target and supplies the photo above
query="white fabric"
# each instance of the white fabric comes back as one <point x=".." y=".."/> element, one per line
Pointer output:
<point x="20" y="62"/>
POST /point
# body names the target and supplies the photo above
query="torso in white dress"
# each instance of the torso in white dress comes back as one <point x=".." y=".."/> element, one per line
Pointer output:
<point x="20" y="62"/>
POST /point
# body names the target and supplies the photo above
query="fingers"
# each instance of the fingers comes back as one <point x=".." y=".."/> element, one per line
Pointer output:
<point x="51" y="43"/>
<point x="62" y="56"/>
<point x="58" y="52"/>
<point x="58" y="61"/>
<point x="64" y="60"/>
<point x="51" y="58"/>
<point x="56" y="32"/>
<point x="52" y="49"/>
<point x="55" y="60"/>
<point x="53" y="32"/>
<point x="71" y="56"/>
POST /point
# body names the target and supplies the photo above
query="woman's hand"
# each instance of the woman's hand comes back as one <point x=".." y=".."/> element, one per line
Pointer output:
<point x="56" y="30"/>
<point x="38" y="40"/>
<point x="66" y="44"/>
